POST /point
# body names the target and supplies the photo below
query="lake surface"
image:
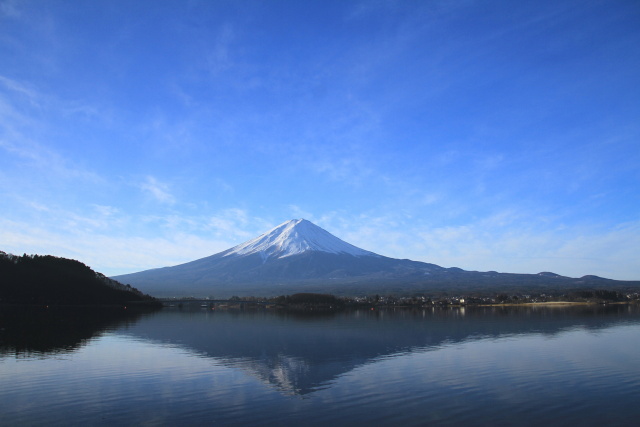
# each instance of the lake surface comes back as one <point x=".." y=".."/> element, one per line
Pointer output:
<point x="482" y="366"/>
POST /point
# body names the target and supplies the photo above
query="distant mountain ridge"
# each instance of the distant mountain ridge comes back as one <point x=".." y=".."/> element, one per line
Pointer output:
<point x="299" y="256"/>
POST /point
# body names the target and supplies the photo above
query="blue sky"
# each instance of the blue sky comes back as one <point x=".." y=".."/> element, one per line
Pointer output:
<point x="487" y="135"/>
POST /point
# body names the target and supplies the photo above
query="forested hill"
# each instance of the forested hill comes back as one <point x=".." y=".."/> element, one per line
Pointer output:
<point x="49" y="280"/>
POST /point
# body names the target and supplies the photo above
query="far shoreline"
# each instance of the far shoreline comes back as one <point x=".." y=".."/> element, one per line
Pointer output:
<point x="551" y="303"/>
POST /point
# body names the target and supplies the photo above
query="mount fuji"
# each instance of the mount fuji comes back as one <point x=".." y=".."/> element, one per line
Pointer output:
<point x="295" y="237"/>
<point x="299" y="256"/>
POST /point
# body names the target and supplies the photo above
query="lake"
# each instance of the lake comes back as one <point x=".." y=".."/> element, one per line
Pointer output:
<point x="539" y="365"/>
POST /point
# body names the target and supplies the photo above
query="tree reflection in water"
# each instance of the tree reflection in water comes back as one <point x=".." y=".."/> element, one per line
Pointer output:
<point x="41" y="332"/>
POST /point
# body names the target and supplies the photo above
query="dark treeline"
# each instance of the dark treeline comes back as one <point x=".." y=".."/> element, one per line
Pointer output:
<point x="50" y="280"/>
<point x="599" y="294"/>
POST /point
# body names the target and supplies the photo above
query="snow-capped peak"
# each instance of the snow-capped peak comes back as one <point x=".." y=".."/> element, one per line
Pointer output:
<point x="295" y="237"/>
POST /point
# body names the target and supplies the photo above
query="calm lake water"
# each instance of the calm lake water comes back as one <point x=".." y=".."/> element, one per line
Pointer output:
<point x="483" y="366"/>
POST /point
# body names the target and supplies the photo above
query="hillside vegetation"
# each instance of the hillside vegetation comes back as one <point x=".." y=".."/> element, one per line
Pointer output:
<point x="50" y="280"/>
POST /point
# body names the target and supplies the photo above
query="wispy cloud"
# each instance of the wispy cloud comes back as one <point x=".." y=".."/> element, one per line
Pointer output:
<point x="509" y="247"/>
<point x="219" y="57"/>
<point x="22" y="89"/>
<point x="350" y="171"/>
<point x="223" y="185"/>
<point x="10" y="8"/>
<point x="24" y="132"/>
<point x="157" y="190"/>
<point x="106" y="210"/>
<point x="105" y="252"/>
<point x="103" y="238"/>
<point x="43" y="161"/>
<point x="297" y="212"/>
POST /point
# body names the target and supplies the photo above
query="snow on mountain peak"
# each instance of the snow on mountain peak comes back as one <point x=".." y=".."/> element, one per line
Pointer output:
<point x="295" y="237"/>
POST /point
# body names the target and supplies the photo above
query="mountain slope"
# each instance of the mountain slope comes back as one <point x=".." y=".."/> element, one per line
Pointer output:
<point x="298" y="256"/>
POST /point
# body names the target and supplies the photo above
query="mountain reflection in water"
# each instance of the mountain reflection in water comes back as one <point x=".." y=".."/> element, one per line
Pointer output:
<point x="300" y="354"/>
